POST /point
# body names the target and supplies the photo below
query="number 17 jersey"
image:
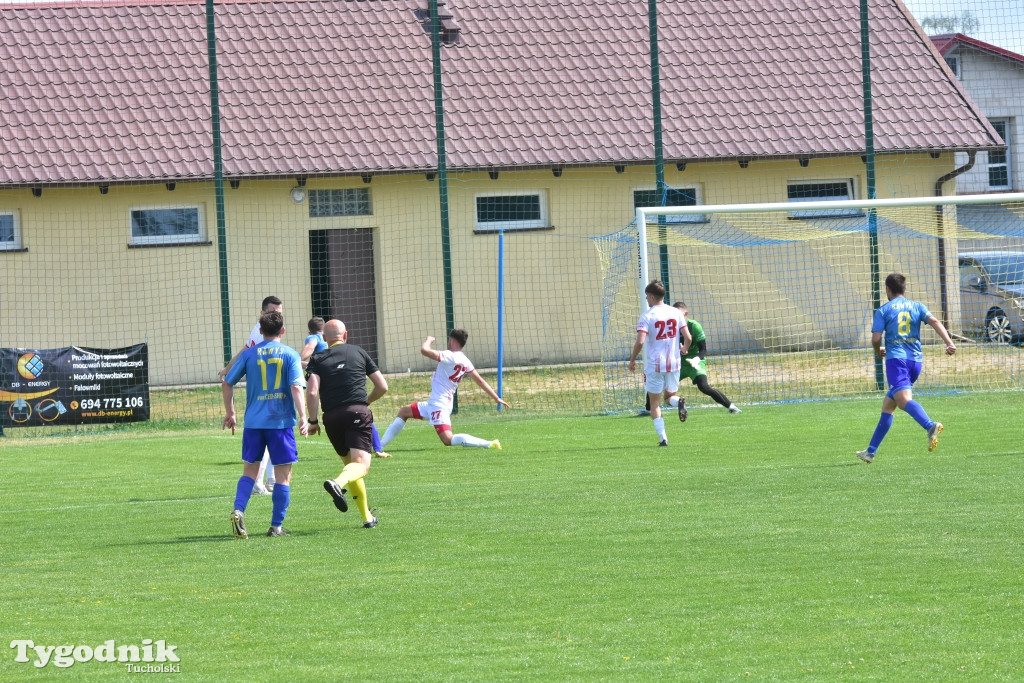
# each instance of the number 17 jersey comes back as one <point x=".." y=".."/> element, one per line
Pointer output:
<point x="661" y="323"/>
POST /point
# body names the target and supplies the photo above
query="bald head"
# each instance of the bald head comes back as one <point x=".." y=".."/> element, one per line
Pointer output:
<point x="334" y="331"/>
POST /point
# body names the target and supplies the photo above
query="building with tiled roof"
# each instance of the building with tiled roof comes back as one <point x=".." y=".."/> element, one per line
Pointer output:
<point x="994" y="78"/>
<point x="330" y="156"/>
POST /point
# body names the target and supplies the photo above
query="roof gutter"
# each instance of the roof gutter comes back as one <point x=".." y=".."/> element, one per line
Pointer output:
<point x="941" y="230"/>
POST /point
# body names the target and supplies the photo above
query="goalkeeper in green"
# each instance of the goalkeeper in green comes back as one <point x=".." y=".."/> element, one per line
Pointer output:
<point x="693" y="366"/>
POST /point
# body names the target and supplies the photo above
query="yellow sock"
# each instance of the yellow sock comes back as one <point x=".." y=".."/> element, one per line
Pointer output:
<point x="358" y="490"/>
<point x="352" y="472"/>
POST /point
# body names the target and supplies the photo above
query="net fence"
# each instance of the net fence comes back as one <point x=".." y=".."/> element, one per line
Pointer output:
<point x="415" y="165"/>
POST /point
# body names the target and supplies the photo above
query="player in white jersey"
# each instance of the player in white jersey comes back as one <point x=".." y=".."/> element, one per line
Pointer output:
<point x="452" y="366"/>
<point x="270" y="303"/>
<point x="657" y="334"/>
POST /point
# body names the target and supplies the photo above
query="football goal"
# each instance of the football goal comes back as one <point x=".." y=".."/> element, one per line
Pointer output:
<point x="786" y="292"/>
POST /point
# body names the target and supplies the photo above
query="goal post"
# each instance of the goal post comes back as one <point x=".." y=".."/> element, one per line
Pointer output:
<point x="784" y="291"/>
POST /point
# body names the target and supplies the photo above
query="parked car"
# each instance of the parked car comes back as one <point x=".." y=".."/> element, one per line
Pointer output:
<point x="992" y="295"/>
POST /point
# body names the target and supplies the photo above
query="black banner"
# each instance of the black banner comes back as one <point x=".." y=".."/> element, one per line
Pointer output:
<point x="73" y="385"/>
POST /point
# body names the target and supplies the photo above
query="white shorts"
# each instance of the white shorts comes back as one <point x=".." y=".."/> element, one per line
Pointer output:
<point x="657" y="382"/>
<point x="438" y="414"/>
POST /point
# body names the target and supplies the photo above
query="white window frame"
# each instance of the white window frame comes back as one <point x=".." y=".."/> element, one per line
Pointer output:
<point x="16" y="244"/>
<point x="494" y="226"/>
<point x="686" y="218"/>
<point x="198" y="238"/>
<point x="953" y="62"/>
<point x="1007" y="128"/>
<point x="851" y="193"/>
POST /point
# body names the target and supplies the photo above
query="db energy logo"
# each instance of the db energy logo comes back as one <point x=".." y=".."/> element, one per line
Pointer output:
<point x="150" y="656"/>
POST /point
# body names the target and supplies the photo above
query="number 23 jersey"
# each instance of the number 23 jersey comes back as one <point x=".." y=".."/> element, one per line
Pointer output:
<point x="661" y="323"/>
<point x="450" y="369"/>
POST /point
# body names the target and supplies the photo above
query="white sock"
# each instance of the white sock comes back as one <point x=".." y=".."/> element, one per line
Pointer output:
<point x="470" y="441"/>
<point x="673" y="401"/>
<point x="263" y="468"/>
<point x="659" y="426"/>
<point x="392" y="431"/>
<point x="268" y="468"/>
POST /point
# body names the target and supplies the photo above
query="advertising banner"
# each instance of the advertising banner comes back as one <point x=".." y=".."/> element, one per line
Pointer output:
<point x="73" y="385"/>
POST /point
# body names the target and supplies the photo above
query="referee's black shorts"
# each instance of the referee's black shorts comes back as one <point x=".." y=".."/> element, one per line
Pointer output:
<point x="350" y="427"/>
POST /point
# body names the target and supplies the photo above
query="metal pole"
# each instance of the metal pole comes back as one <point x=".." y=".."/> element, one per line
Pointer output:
<point x="659" y="152"/>
<point x="501" y="309"/>
<point x="869" y="160"/>
<point x="218" y="185"/>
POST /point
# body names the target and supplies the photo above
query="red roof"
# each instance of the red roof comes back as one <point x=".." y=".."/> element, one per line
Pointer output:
<point x="947" y="41"/>
<point x="115" y="92"/>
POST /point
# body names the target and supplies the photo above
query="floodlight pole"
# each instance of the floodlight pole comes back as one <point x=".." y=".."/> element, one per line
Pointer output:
<point x="869" y="161"/>
<point x="218" y="185"/>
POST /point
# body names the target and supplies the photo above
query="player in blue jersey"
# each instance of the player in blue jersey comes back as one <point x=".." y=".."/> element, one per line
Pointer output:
<point x="274" y="393"/>
<point x="898" y="322"/>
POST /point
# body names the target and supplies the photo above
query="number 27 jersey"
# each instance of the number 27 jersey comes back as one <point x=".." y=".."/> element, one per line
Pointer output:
<point x="661" y="323"/>
<point x="450" y="369"/>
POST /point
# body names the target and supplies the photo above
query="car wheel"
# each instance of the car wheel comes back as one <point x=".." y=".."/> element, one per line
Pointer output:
<point x="997" y="327"/>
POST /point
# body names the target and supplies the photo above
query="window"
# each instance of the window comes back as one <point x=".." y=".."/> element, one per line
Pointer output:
<point x="953" y="62"/>
<point x="167" y="225"/>
<point x="821" y="191"/>
<point x="328" y="203"/>
<point x="674" y="196"/>
<point x="512" y="211"/>
<point x="10" y="235"/>
<point x="999" y="162"/>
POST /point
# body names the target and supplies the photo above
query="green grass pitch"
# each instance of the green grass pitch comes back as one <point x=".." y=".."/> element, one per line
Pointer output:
<point x="755" y="546"/>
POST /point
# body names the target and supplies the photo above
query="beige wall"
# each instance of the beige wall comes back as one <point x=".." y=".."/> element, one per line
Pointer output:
<point x="80" y="283"/>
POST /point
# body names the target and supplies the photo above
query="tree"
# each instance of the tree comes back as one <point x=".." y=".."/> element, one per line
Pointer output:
<point x="950" y="23"/>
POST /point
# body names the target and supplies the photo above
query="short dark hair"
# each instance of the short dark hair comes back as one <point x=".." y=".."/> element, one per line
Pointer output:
<point x="270" y="300"/>
<point x="680" y="305"/>
<point x="896" y="282"/>
<point x="271" y="323"/>
<point x="315" y="324"/>
<point x="459" y="335"/>
<point x="656" y="288"/>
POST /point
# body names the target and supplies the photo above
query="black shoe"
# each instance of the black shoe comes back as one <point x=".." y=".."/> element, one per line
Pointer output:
<point x="278" y="531"/>
<point x="664" y="442"/>
<point x="643" y="412"/>
<point x="369" y="525"/>
<point x="337" y="493"/>
<point x="682" y="410"/>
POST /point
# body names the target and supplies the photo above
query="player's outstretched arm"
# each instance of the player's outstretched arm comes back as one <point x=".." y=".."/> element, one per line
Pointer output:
<point x="426" y="350"/>
<point x="940" y="329"/>
<point x="482" y="383"/>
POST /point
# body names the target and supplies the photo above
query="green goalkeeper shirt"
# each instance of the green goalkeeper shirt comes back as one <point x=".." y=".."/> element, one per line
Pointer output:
<point x="697" y="332"/>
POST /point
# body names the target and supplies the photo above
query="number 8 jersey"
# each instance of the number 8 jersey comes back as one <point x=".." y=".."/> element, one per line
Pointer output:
<point x="661" y="323"/>
<point x="450" y="369"/>
<point x="900" y="319"/>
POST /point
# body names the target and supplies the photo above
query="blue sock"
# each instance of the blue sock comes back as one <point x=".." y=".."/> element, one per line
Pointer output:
<point x="243" y="492"/>
<point x="377" y="448"/>
<point x="915" y="411"/>
<point x="884" y="422"/>
<point x="281" y="496"/>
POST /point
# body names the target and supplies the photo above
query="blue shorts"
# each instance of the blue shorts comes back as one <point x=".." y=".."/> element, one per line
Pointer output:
<point x="901" y="374"/>
<point x="280" y="443"/>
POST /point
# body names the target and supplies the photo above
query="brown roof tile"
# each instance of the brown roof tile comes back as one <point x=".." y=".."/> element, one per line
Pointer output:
<point x="115" y="92"/>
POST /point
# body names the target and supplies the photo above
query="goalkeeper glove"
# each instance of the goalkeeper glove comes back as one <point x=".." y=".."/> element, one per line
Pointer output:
<point x="695" y="362"/>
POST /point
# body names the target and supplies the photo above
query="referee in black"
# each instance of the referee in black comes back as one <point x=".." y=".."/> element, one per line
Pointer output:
<point x="337" y="378"/>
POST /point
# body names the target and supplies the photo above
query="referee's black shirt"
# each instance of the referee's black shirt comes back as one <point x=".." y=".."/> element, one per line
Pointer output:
<point x="343" y="369"/>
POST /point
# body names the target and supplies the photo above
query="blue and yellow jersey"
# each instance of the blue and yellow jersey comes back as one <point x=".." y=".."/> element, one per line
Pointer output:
<point x="900" y="321"/>
<point x="270" y="369"/>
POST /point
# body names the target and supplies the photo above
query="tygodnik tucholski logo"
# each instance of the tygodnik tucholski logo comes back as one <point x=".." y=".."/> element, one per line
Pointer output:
<point x="149" y="657"/>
